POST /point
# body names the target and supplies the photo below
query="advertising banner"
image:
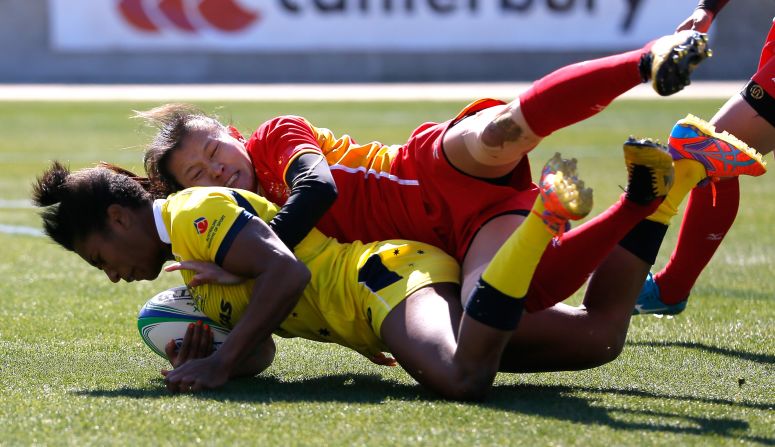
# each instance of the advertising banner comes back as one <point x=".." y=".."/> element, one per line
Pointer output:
<point x="359" y="25"/>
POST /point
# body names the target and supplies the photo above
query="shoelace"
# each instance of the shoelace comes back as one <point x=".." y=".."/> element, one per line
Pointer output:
<point x="551" y="220"/>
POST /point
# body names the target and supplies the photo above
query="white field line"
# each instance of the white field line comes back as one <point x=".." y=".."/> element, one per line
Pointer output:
<point x="18" y="229"/>
<point x="319" y="92"/>
<point x="15" y="204"/>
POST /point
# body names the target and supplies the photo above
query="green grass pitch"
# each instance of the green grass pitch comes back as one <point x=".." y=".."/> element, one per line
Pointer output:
<point x="73" y="369"/>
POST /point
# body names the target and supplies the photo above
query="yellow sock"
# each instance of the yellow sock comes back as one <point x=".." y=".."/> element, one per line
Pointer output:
<point x="687" y="174"/>
<point x="513" y="265"/>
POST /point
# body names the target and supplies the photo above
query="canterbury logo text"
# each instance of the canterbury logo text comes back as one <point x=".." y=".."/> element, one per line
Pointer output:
<point x="189" y="16"/>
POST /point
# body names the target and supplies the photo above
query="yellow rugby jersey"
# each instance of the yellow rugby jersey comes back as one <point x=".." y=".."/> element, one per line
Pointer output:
<point x="352" y="287"/>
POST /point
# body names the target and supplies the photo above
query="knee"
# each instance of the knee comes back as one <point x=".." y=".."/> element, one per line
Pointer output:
<point x="604" y="347"/>
<point x="468" y="384"/>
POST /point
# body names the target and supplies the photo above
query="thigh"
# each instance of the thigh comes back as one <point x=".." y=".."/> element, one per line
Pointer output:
<point x="485" y="244"/>
<point x="740" y="119"/>
<point x="464" y="141"/>
<point x="570" y="338"/>
<point x="421" y="333"/>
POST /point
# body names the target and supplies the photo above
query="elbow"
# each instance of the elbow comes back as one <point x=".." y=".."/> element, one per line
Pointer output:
<point x="301" y="276"/>
<point x="465" y="384"/>
<point x="469" y="387"/>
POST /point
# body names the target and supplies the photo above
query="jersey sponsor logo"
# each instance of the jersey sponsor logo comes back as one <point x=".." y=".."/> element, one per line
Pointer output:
<point x="756" y="92"/>
<point x="213" y="230"/>
<point x="201" y="225"/>
<point x="190" y="16"/>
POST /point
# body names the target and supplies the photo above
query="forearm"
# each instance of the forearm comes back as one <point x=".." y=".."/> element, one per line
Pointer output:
<point x="313" y="191"/>
<point x="275" y="294"/>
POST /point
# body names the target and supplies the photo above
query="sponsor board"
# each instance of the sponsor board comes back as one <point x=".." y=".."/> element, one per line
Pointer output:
<point x="360" y="25"/>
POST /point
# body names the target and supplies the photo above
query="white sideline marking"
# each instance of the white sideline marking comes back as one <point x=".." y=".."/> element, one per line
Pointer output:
<point x="15" y="204"/>
<point x="321" y="92"/>
<point x="17" y="229"/>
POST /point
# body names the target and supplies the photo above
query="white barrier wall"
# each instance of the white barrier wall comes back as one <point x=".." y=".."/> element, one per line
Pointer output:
<point x="254" y="41"/>
<point x="360" y="25"/>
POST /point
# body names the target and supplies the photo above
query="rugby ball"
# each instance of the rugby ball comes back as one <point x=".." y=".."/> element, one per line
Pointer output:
<point x="166" y="317"/>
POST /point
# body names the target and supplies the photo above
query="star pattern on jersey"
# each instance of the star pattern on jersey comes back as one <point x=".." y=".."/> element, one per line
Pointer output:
<point x="396" y="252"/>
<point x="420" y="252"/>
<point x="324" y="332"/>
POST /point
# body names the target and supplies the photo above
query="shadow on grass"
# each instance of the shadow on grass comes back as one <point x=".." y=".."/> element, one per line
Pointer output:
<point x="764" y="359"/>
<point x="551" y="402"/>
<point x="564" y="403"/>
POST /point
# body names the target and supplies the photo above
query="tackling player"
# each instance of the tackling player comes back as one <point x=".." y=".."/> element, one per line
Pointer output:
<point x="463" y="185"/>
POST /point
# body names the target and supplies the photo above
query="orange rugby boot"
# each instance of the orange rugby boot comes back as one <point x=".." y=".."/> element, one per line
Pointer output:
<point x="722" y="154"/>
<point x="563" y="194"/>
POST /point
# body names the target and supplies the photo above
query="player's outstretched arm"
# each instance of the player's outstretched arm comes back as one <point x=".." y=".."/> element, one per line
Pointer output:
<point x="280" y="278"/>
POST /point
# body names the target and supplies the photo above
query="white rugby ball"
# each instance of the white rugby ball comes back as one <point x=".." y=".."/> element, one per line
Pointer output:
<point x="166" y="317"/>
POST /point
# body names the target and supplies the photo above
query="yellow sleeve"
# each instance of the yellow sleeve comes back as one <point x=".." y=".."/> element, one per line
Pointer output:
<point x="209" y="219"/>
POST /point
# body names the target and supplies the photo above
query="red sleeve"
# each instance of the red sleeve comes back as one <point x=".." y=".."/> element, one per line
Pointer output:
<point x="274" y="146"/>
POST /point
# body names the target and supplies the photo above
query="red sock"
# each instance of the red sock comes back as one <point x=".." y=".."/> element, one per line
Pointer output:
<point x="564" y="268"/>
<point x="702" y="230"/>
<point x="576" y="92"/>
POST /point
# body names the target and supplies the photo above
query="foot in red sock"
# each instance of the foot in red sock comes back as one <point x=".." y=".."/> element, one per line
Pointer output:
<point x="702" y="231"/>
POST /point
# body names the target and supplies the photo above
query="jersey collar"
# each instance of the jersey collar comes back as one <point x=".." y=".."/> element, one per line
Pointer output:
<point x="164" y="235"/>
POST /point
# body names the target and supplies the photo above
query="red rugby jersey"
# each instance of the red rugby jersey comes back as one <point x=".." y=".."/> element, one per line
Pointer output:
<point x="407" y="191"/>
<point x="373" y="203"/>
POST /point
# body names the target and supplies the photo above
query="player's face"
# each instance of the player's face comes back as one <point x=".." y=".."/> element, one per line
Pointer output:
<point x="127" y="256"/>
<point x="212" y="157"/>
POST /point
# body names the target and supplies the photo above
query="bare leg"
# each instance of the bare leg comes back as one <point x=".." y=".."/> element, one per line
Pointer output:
<point x="570" y="338"/>
<point x="737" y="117"/>
<point x="488" y="240"/>
<point x="599" y="327"/>
<point x="421" y="335"/>
<point x="419" y="331"/>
